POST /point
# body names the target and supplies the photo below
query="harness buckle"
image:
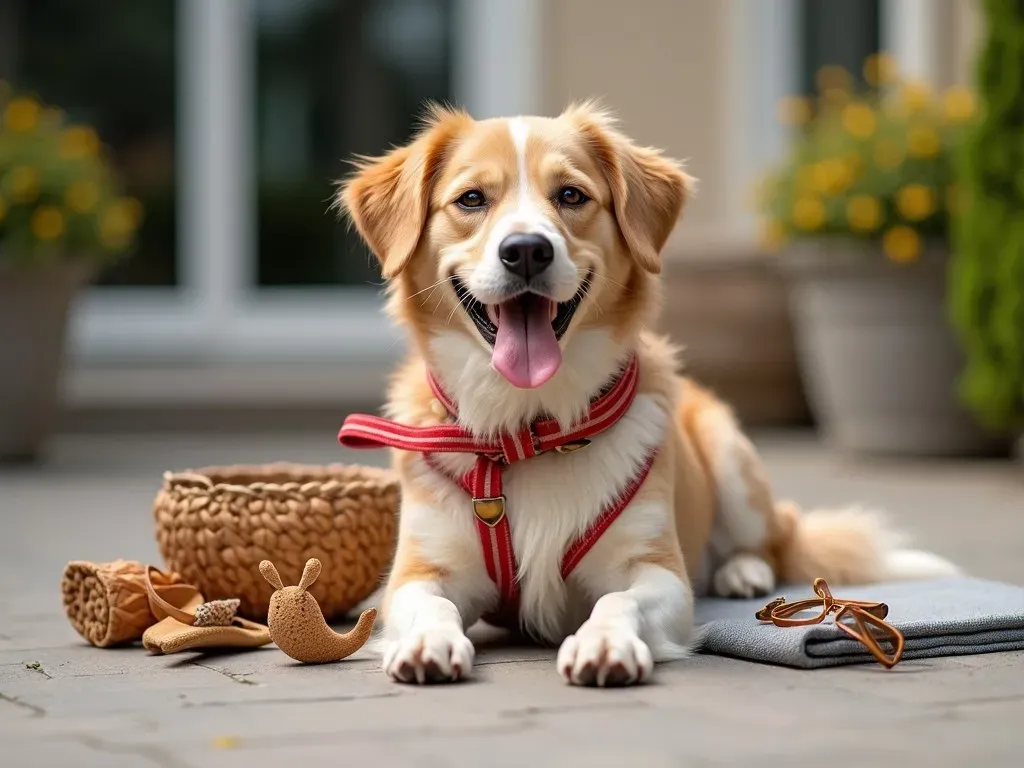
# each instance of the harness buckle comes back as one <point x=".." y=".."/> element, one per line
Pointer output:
<point x="575" y="445"/>
<point x="534" y="440"/>
<point x="489" y="511"/>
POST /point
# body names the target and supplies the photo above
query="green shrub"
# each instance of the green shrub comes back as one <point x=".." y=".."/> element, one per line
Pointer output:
<point x="59" y="195"/>
<point x="987" y="272"/>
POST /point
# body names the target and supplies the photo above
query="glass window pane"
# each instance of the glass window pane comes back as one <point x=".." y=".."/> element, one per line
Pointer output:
<point x="837" y="32"/>
<point x="335" y="78"/>
<point x="112" y="65"/>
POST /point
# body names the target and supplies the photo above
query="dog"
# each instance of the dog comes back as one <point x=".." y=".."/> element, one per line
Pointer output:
<point x="522" y="255"/>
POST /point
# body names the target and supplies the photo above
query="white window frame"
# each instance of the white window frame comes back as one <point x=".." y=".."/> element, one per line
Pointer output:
<point x="217" y="313"/>
<point x="763" y="69"/>
<point x="911" y="32"/>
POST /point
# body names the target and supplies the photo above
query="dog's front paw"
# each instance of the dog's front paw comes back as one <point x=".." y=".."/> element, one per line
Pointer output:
<point x="437" y="655"/>
<point x="604" y="655"/>
<point x="744" y="575"/>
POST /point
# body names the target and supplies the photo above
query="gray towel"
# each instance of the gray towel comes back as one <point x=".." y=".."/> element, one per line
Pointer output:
<point x="937" y="618"/>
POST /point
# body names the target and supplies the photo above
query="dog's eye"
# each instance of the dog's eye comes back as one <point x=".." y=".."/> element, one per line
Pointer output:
<point x="571" y="196"/>
<point x="472" y="199"/>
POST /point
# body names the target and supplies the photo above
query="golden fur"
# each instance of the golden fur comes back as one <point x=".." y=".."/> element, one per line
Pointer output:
<point x="704" y="520"/>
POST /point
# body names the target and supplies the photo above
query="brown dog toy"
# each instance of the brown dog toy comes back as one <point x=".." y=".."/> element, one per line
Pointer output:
<point x="107" y="603"/>
<point x="297" y="624"/>
<point x="187" y="622"/>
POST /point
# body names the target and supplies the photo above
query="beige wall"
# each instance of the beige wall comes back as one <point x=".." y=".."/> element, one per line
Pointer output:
<point x="961" y="34"/>
<point x="661" y="67"/>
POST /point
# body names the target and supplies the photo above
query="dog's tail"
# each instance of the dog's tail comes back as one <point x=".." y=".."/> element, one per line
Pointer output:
<point x="848" y="546"/>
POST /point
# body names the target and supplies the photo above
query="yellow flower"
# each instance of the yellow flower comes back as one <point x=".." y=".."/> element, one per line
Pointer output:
<point x="22" y="115"/>
<point x="118" y="222"/>
<point x="916" y="96"/>
<point x="880" y="68"/>
<point x="832" y="76"/>
<point x="888" y="154"/>
<point x="24" y="182"/>
<point x="864" y="213"/>
<point x="47" y="223"/>
<point x="923" y="141"/>
<point x="859" y="120"/>
<point x="958" y="105"/>
<point x="902" y="244"/>
<point x="833" y="175"/>
<point x="809" y="213"/>
<point x="805" y="177"/>
<point x="79" y="141"/>
<point x="773" y="235"/>
<point x="835" y="97"/>
<point x="82" y="196"/>
<point x="915" y="202"/>
<point x="794" y="110"/>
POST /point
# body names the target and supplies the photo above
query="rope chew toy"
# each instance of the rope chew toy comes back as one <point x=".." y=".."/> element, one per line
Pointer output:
<point x="297" y="624"/>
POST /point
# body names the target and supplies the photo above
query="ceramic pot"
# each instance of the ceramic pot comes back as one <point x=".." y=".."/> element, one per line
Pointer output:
<point x="879" y="358"/>
<point x="34" y="308"/>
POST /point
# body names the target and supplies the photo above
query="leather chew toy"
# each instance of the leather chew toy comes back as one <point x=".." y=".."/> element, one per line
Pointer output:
<point x="297" y="624"/>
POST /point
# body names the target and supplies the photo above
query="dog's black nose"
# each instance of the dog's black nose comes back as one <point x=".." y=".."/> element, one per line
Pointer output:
<point x="526" y="255"/>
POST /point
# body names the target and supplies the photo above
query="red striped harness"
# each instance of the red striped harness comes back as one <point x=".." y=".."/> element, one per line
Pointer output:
<point x="483" y="481"/>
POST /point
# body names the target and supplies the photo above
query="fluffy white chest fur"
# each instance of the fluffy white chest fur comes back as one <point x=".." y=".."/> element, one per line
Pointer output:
<point x="551" y="500"/>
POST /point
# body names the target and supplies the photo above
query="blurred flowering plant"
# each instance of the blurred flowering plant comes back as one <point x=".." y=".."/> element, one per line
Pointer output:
<point x="875" y="163"/>
<point x="59" y="194"/>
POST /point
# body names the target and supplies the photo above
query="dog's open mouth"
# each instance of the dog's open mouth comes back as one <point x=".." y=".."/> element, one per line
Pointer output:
<point x="523" y="332"/>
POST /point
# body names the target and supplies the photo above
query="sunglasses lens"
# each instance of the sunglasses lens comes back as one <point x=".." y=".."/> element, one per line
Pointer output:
<point x="810" y="614"/>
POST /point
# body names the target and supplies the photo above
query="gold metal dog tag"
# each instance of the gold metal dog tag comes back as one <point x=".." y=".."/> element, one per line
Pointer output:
<point x="489" y="511"/>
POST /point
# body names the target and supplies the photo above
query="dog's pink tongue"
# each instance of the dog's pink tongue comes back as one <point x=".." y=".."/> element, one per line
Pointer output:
<point x="526" y="351"/>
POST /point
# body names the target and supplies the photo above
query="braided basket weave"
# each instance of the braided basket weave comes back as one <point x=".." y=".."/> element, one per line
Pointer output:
<point x="214" y="526"/>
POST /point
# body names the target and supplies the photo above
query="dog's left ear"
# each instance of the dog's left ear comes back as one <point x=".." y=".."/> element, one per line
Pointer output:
<point x="388" y="197"/>
<point x="649" y="190"/>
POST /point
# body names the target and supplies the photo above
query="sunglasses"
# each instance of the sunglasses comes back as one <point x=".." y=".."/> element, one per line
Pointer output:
<point x="861" y="620"/>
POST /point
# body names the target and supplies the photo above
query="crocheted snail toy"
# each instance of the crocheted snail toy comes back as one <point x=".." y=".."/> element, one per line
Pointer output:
<point x="297" y="624"/>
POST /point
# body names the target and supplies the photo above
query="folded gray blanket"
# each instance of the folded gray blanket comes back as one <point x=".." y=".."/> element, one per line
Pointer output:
<point x="947" y="617"/>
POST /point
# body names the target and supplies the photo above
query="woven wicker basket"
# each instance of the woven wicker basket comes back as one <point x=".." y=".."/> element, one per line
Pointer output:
<point x="214" y="526"/>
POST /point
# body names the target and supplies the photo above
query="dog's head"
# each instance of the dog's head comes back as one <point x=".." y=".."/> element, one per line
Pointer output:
<point x="518" y="232"/>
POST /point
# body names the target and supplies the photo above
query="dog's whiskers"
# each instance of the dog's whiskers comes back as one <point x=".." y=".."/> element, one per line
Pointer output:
<point x="430" y="288"/>
<point x="612" y="282"/>
<point x="451" y="315"/>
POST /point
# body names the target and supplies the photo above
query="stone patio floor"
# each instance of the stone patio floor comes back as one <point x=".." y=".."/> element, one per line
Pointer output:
<point x="63" y="702"/>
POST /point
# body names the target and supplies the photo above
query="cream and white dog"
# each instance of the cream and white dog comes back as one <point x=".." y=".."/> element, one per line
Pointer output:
<point x="523" y="256"/>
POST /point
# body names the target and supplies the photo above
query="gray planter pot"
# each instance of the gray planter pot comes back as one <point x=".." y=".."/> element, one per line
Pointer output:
<point x="878" y="357"/>
<point x="34" y="306"/>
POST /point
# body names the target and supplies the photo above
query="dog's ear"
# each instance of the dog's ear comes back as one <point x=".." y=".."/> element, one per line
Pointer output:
<point x="648" y="189"/>
<point x="388" y="197"/>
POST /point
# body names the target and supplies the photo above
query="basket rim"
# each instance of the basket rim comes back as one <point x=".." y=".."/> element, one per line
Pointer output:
<point x="306" y="477"/>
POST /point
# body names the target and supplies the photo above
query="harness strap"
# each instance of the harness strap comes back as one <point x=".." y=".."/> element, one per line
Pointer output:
<point x="483" y="482"/>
